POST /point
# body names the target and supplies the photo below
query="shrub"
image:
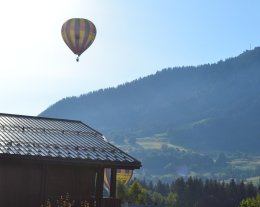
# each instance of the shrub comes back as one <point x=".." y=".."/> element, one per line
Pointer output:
<point x="66" y="201"/>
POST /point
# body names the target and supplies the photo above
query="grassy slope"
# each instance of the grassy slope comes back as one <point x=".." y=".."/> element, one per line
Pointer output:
<point x="237" y="163"/>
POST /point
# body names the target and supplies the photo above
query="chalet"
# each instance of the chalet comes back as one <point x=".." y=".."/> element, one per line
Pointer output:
<point x="44" y="158"/>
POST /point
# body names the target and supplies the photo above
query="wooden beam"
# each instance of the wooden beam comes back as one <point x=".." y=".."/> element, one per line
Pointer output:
<point x="99" y="186"/>
<point x="113" y="183"/>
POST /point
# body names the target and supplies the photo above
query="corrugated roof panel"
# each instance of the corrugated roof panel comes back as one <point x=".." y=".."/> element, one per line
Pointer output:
<point x="37" y="136"/>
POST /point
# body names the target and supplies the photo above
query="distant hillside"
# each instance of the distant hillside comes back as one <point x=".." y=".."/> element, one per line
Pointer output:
<point x="212" y="106"/>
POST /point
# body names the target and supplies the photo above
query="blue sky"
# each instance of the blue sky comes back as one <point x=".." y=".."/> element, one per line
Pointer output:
<point x="134" y="39"/>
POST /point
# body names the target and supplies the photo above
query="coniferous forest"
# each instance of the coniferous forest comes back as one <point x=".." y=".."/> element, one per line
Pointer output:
<point x="190" y="192"/>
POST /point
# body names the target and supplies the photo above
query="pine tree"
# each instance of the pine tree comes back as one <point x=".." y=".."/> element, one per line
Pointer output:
<point x="136" y="193"/>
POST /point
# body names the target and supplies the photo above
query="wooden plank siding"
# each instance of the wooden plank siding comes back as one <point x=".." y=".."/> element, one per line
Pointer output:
<point x="21" y="184"/>
<point x="30" y="184"/>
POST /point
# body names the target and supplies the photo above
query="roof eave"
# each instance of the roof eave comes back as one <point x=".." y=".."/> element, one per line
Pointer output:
<point x="72" y="161"/>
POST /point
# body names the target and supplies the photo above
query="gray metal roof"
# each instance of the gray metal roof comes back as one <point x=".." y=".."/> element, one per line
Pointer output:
<point x="58" y="138"/>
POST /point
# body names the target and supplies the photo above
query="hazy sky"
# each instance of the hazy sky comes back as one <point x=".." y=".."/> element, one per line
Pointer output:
<point x="134" y="38"/>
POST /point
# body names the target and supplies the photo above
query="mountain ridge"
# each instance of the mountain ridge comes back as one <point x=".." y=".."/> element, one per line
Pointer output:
<point x="209" y="106"/>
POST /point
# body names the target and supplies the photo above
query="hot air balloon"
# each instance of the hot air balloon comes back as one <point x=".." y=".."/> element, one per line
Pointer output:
<point x="78" y="34"/>
<point x="122" y="175"/>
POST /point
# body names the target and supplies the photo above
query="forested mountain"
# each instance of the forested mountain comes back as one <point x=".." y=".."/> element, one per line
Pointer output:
<point x="208" y="107"/>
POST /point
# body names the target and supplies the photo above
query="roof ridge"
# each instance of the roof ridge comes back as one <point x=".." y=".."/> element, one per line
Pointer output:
<point x="51" y="119"/>
<point x="38" y="117"/>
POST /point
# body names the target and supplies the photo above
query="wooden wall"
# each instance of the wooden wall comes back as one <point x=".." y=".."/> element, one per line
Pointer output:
<point x="29" y="184"/>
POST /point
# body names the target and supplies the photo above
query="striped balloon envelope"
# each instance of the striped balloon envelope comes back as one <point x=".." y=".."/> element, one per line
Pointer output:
<point x="78" y="34"/>
<point x="122" y="175"/>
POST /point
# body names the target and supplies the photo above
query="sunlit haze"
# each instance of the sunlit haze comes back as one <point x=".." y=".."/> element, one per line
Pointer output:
<point x="134" y="39"/>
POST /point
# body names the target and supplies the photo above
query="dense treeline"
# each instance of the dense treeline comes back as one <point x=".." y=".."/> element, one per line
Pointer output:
<point x="192" y="192"/>
<point x="172" y="163"/>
